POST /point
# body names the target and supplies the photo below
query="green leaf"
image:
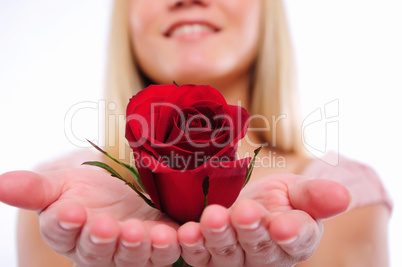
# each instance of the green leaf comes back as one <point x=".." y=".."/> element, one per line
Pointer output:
<point x="251" y="166"/>
<point x="118" y="176"/>
<point x="134" y="172"/>
<point x="105" y="167"/>
<point x="132" y="169"/>
<point x="177" y="263"/>
<point x="205" y="189"/>
<point x="180" y="263"/>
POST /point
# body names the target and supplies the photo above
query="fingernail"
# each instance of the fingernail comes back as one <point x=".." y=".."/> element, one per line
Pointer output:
<point x="251" y="226"/>
<point x="287" y="241"/>
<point x="160" y="246"/>
<point x="219" y="230"/>
<point x="98" y="241"/>
<point x="198" y="243"/>
<point x="130" y="244"/>
<point x="69" y="225"/>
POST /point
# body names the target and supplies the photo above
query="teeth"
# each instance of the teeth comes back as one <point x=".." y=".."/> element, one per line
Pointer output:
<point x="191" y="28"/>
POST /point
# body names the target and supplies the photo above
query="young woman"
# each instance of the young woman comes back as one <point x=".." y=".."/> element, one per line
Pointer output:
<point x="243" y="49"/>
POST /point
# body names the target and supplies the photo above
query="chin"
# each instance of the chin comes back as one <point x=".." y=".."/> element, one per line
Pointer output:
<point x="201" y="74"/>
<point x="185" y="71"/>
<point x="199" y="78"/>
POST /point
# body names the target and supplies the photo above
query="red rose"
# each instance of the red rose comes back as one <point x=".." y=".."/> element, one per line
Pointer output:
<point x="180" y="136"/>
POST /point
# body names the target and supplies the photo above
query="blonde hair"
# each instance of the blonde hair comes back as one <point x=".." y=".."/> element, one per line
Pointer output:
<point x="273" y="87"/>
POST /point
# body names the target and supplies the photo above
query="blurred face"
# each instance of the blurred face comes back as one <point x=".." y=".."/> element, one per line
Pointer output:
<point x="194" y="41"/>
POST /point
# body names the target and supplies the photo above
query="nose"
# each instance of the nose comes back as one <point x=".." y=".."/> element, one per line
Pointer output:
<point x="184" y="3"/>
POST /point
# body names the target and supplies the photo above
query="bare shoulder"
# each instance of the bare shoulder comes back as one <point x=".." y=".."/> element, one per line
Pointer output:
<point x="355" y="238"/>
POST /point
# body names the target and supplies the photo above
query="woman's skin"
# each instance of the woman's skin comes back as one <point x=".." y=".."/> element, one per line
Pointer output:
<point x="219" y="53"/>
<point x="95" y="220"/>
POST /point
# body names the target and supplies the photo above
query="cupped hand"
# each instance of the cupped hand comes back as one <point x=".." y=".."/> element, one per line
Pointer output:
<point x="93" y="218"/>
<point x="274" y="222"/>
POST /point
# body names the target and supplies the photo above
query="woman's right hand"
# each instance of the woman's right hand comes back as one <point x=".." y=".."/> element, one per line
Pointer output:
<point x="92" y="218"/>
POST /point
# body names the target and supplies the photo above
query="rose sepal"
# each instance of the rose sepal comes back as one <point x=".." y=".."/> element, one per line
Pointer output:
<point x="205" y="189"/>
<point x="118" y="176"/>
<point x="251" y="166"/>
<point x="131" y="168"/>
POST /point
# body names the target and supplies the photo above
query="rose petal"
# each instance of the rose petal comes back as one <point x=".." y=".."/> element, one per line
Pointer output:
<point x="226" y="181"/>
<point x="182" y="97"/>
<point x="147" y="178"/>
<point x="141" y="122"/>
<point x="238" y="126"/>
<point x="182" y="154"/>
<point x="177" y="133"/>
<point x="147" y="93"/>
<point x="181" y="193"/>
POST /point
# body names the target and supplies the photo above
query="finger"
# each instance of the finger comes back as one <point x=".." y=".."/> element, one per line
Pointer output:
<point x="165" y="248"/>
<point x="249" y="219"/>
<point x="29" y="190"/>
<point x="134" y="248"/>
<point x="192" y="244"/>
<point x="320" y="198"/>
<point x="97" y="242"/>
<point x="297" y="233"/>
<point x="220" y="237"/>
<point x="61" y="225"/>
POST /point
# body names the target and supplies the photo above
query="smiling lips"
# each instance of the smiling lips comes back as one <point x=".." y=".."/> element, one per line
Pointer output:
<point x="190" y="30"/>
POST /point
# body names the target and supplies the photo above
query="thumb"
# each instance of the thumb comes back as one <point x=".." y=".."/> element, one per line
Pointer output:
<point x="28" y="190"/>
<point x="320" y="198"/>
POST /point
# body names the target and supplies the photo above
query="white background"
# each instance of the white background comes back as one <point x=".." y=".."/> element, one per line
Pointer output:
<point x="52" y="57"/>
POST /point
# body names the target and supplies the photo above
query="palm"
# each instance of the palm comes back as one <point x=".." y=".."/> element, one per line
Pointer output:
<point x="271" y="192"/>
<point x="90" y="217"/>
<point x="275" y="221"/>
<point x="99" y="193"/>
<point x="286" y="192"/>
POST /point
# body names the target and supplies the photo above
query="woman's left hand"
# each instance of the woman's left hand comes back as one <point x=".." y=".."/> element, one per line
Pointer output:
<point x="274" y="222"/>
